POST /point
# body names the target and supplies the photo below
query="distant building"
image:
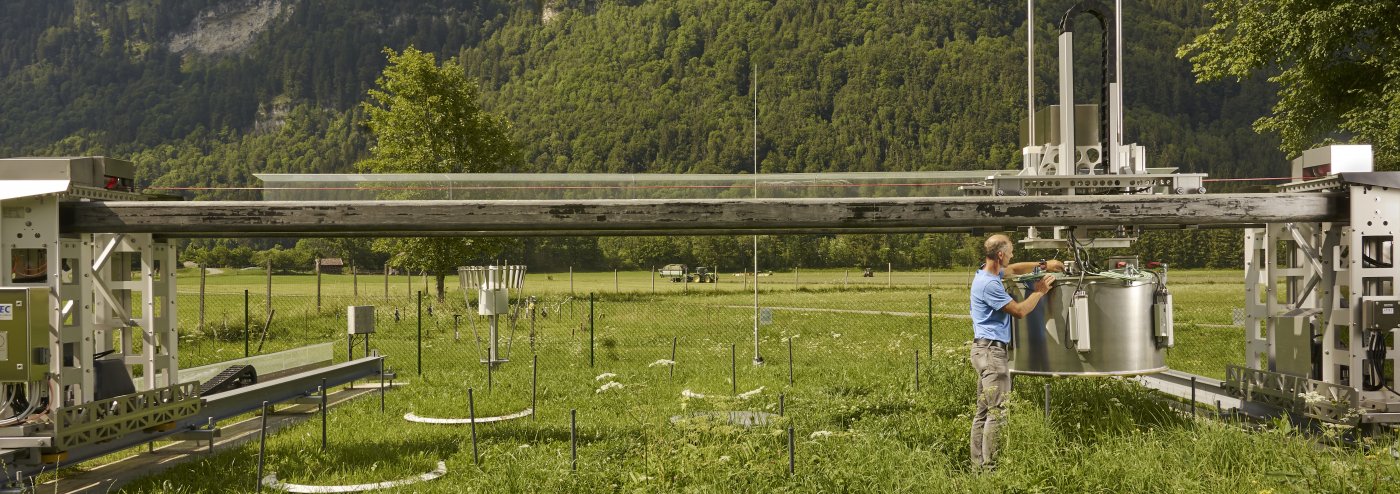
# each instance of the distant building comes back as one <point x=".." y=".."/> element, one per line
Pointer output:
<point x="331" y="265"/>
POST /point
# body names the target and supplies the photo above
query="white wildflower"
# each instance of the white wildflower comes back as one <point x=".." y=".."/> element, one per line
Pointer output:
<point x="609" y="385"/>
<point x="1312" y="397"/>
<point x="524" y="446"/>
<point x="724" y="458"/>
<point x="662" y="362"/>
<point x="605" y="375"/>
<point x="750" y="394"/>
<point x="835" y="335"/>
<point x="691" y="394"/>
<point x="820" y="434"/>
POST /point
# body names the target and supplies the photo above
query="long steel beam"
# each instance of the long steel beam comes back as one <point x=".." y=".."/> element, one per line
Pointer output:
<point x="745" y="216"/>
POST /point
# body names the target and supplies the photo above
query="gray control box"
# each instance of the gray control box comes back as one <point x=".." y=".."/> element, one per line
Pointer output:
<point x="1380" y="314"/>
<point x="359" y="319"/>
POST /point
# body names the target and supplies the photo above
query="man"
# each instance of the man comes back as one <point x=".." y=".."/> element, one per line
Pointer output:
<point x="992" y="309"/>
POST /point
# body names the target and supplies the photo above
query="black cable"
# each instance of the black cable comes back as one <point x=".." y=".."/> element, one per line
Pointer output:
<point x="1376" y="263"/>
<point x="1375" y="356"/>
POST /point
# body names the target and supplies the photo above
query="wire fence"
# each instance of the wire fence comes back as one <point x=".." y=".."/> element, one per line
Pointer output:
<point x="632" y="318"/>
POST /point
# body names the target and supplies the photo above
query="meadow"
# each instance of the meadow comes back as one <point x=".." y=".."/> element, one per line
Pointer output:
<point x="862" y="419"/>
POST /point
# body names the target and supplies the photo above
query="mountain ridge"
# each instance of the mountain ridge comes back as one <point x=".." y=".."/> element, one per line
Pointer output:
<point x="593" y="86"/>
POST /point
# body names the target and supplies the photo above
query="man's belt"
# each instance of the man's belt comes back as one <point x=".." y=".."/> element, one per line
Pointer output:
<point x="987" y="341"/>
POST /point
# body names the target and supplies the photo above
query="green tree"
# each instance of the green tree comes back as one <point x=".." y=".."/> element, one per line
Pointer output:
<point x="1337" y="65"/>
<point x="355" y="252"/>
<point x="285" y="260"/>
<point x="426" y="118"/>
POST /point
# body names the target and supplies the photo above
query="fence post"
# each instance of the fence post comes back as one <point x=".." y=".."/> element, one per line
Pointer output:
<point x="355" y="279"/>
<point x="323" y="414"/>
<point x="269" y="286"/>
<point x="930" y="325"/>
<point x="616" y="289"/>
<point x="590" y="329"/>
<point x="420" y="333"/>
<point x="797" y="278"/>
<point x="318" y="285"/>
<point x="245" y="324"/>
<point x="386" y="280"/>
<point x="916" y="370"/>
<point x="571" y="281"/>
<point x="262" y="444"/>
<point x="202" y="272"/>
<point x="471" y="411"/>
<point x="889" y="276"/>
<point x="653" y="279"/>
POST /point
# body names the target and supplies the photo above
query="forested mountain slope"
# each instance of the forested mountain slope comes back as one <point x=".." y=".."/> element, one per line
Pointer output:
<point x="206" y="92"/>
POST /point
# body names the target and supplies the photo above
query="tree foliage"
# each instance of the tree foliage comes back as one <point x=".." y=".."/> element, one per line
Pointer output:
<point x="426" y="119"/>
<point x="1337" y="65"/>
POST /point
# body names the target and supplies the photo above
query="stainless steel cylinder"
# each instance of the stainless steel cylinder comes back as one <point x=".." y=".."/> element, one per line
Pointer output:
<point x="1120" y="331"/>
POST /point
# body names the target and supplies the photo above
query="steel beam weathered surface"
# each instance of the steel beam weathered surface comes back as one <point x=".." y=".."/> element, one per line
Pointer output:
<point x="608" y="217"/>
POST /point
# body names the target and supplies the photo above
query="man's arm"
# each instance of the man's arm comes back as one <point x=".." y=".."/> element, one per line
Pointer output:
<point x="1021" y="268"/>
<point x="1020" y="309"/>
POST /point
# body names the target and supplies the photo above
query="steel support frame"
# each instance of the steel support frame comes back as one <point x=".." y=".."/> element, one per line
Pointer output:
<point x="92" y="287"/>
<point x="1321" y="266"/>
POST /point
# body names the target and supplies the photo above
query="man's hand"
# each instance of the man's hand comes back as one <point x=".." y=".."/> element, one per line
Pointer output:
<point x="1055" y="266"/>
<point x="1045" y="283"/>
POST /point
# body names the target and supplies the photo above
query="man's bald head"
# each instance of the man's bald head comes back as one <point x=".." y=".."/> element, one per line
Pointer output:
<point x="994" y="245"/>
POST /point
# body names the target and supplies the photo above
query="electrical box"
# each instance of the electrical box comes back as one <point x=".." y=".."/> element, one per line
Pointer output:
<point x="24" y="334"/>
<point x="1331" y="160"/>
<point x="359" y="319"/>
<point x="1163" y="324"/>
<point x="1379" y="314"/>
<point x="493" y="302"/>
<point x="1293" y="341"/>
<point x="1079" y="321"/>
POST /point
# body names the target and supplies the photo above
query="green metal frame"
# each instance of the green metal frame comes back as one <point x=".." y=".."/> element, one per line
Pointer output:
<point x="109" y="419"/>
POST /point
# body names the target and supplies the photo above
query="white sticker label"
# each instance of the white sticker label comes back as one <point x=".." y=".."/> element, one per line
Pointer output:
<point x="1389" y="311"/>
<point x="4" y="346"/>
<point x="7" y="312"/>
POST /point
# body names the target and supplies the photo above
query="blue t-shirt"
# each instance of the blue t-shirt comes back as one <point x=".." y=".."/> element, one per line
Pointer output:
<point x="988" y="297"/>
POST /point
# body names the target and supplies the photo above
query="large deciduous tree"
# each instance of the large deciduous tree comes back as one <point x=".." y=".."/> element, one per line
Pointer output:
<point x="1337" y="64"/>
<point x="426" y="118"/>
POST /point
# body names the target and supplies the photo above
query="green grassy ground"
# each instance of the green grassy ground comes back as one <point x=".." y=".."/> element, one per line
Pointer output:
<point x="860" y="423"/>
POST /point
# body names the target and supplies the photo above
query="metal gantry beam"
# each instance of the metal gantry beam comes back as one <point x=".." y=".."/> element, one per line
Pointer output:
<point x="695" y="216"/>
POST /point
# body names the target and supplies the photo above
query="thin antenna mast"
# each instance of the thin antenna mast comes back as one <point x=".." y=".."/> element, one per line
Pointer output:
<point x="757" y="357"/>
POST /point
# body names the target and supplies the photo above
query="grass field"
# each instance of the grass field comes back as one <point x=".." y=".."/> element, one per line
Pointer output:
<point x="860" y="423"/>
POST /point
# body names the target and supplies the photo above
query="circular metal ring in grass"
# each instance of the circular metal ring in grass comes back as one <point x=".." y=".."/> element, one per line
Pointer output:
<point x="272" y="483"/>
<point x="411" y="417"/>
<point x="739" y="418"/>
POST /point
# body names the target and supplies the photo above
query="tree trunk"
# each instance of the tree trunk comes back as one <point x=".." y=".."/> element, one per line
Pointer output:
<point x="441" y="288"/>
